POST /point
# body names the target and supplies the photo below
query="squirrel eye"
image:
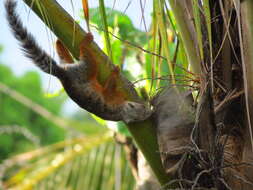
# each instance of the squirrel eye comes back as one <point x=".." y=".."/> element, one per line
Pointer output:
<point x="131" y="105"/>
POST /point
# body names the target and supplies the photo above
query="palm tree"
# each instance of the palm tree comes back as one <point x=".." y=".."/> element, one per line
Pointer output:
<point x="202" y="52"/>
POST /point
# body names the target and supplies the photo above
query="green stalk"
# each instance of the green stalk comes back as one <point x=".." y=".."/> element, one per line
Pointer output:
<point x="105" y="28"/>
<point x="196" y="14"/>
<point x="159" y="5"/>
<point x="144" y="135"/>
<point x="66" y="29"/>
<point x="186" y="35"/>
<point x="154" y="48"/>
<point x="207" y="15"/>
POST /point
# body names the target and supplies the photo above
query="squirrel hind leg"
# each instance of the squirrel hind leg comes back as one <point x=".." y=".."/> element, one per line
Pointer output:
<point x="88" y="38"/>
<point x="111" y="82"/>
<point x="63" y="53"/>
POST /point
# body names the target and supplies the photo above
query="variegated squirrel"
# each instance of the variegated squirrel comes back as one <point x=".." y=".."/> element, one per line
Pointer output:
<point x="80" y="79"/>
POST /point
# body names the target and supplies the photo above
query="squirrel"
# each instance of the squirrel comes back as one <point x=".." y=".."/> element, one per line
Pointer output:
<point x="80" y="79"/>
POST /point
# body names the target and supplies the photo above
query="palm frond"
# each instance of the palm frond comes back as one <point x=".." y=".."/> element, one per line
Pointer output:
<point x="94" y="162"/>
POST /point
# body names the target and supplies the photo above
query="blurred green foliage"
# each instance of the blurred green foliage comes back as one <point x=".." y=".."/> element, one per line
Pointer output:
<point x="14" y="113"/>
<point x="120" y="21"/>
<point x="1" y="48"/>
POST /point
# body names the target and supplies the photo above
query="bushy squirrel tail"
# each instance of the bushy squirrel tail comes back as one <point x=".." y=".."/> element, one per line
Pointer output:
<point x="29" y="46"/>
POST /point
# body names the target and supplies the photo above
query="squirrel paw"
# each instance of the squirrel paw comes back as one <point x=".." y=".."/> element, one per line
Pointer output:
<point x="133" y="112"/>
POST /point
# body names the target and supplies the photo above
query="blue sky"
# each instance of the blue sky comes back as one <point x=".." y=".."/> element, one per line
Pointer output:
<point x="20" y="64"/>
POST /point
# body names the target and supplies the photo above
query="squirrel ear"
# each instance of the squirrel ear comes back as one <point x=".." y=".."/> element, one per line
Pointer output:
<point x="63" y="53"/>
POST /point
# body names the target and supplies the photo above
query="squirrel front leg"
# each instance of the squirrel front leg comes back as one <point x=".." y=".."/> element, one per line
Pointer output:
<point x="91" y="64"/>
<point x="112" y="94"/>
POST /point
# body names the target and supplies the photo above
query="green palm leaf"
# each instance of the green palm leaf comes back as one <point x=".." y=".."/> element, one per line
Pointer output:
<point x="80" y="163"/>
